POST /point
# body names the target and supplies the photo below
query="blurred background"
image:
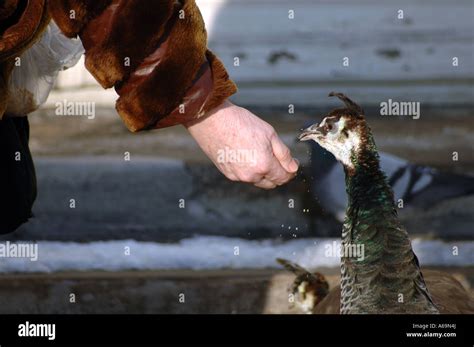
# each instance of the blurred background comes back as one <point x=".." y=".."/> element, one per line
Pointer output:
<point x="164" y="223"/>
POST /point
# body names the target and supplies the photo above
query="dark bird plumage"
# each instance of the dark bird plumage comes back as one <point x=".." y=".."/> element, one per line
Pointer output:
<point x="387" y="277"/>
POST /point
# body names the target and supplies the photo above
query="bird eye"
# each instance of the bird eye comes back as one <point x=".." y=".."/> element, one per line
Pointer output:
<point x="331" y="127"/>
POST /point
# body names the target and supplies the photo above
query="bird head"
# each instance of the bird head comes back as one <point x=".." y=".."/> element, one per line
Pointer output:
<point x="341" y="132"/>
<point x="307" y="288"/>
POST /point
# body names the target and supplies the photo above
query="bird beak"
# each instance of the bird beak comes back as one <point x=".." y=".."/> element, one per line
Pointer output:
<point x="308" y="132"/>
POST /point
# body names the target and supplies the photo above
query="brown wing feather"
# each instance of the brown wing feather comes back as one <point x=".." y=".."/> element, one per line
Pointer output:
<point x="331" y="304"/>
<point x="446" y="291"/>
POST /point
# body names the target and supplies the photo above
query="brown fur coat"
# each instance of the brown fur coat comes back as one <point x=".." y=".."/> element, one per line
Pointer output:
<point x="154" y="52"/>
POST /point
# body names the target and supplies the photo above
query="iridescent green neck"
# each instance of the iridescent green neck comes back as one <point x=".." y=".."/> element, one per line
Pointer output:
<point x="367" y="186"/>
<point x="386" y="278"/>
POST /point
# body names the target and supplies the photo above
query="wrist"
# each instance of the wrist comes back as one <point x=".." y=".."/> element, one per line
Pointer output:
<point x="210" y="113"/>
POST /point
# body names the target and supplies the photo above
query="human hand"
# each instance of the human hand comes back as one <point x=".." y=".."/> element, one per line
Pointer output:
<point x="244" y="147"/>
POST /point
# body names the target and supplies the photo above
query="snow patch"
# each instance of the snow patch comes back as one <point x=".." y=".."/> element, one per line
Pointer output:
<point x="205" y="252"/>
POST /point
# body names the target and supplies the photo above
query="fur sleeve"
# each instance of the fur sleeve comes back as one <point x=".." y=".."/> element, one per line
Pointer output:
<point x="154" y="53"/>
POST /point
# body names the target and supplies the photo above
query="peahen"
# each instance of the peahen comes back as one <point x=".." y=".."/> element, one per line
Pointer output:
<point x="419" y="186"/>
<point x="387" y="277"/>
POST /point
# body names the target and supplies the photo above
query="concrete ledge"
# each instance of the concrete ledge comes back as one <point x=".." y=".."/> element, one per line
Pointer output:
<point x="257" y="291"/>
<point x="223" y="291"/>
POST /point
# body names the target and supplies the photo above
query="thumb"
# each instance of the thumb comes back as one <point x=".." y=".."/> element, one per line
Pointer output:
<point x="283" y="154"/>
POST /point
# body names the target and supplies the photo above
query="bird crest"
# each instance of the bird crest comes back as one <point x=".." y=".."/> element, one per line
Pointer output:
<point x="350" y="105"/>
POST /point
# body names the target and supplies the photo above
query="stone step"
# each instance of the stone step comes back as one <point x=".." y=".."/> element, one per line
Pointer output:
<point x="221" y="291"/>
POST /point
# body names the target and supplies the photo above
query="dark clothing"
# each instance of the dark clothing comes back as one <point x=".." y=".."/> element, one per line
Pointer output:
<point x="17" y="174"/>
